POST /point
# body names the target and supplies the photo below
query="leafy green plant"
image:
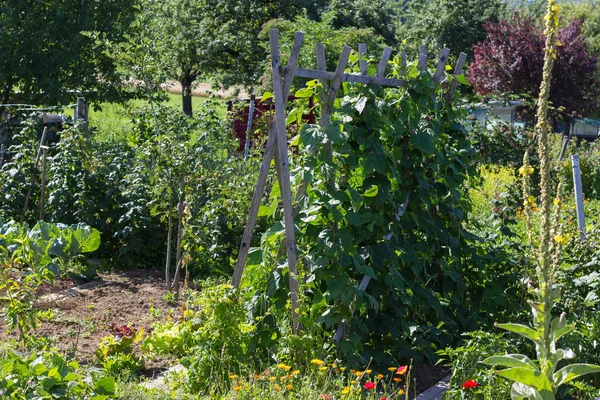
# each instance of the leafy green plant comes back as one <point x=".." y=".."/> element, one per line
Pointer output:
<point x="46" y="375"/>
<point x="30" y="258"/>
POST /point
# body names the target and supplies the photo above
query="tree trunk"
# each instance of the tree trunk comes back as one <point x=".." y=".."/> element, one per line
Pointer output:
<point x="186" y="95"/>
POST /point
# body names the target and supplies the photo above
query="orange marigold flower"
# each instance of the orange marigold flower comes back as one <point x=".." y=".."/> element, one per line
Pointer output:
<point x="379" y="376"/>
<point x="289" y="387"/>
<point x="237" y="388"/>
<point x="316" y="361"/>
<point x="402" y="370"/>
<point x="396" y="379"/>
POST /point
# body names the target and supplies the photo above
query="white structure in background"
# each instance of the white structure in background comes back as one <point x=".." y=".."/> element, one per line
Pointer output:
<point x="494" y="112"/>
<point x="585" y="128"/>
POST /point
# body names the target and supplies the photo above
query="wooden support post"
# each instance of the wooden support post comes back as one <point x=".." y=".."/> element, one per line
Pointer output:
<point x="81" y="113"/>
<point x="362" y="58"/>
<point x="280" y="84"/>
<point x="578" y="188"/>
<point x="169" y="241"/>
<point x="2" y="155"/>
<point x="43" y="190"/>
<point x="32" y="181"/>
<point x="254" y="207"/>
<point x="441" y="67"/>
<point x="422" y="57"/>
<point x="383" y="63"/>
<point x="460" y="64"/>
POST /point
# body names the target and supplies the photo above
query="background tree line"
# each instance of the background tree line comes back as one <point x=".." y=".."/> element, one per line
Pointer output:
<point x="48" y="50"/>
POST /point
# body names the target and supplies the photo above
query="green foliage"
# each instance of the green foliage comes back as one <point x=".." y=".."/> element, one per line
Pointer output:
<point x="212" y="334"/>
<point x="589" y="159"/>
<point x="385" y="146"/>
<point x="323" y="31"/>
<point x="46" y="375"/>
<point x="453" y="24"/>
<point x="31" y="258"/>
<point x="465" y="363"/>
<point x="377" y="16"/>
<point x="45" y="53"/>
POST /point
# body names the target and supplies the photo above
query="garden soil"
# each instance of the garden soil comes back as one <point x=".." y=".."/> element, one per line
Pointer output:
<point x="79" y="313"/>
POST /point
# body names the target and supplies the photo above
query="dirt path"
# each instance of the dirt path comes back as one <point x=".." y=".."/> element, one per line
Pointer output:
<point x="202" y="89"/>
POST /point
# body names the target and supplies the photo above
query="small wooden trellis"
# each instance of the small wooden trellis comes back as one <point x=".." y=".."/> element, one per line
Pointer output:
<point x="277" y="142"/>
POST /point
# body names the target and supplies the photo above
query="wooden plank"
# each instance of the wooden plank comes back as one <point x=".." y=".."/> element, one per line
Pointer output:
<point x="362" y="58"/>
<point x="385" y="57"/>
<point x="460" y="64"/>
<point x="263" y="174"/>
<point x="254" y="208"/>
<point x="286" y="195"/>
<point x="441" y="67"/>
<point x="348" y="77"/>
<point x="403" y="63"/>
<point x="322" y="67"/>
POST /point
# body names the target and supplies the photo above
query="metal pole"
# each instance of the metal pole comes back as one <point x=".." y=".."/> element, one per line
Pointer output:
<point x="249" y="129"/>
<point x="578" y="195"/>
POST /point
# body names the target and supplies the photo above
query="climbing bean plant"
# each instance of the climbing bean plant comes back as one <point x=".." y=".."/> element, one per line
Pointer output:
<point x="381" y="147"/>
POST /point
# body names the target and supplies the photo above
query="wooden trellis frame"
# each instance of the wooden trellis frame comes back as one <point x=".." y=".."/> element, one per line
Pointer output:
<point x="277" y="142"/>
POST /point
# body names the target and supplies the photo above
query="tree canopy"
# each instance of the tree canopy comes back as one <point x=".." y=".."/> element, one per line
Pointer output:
<point x="45" y="53"/>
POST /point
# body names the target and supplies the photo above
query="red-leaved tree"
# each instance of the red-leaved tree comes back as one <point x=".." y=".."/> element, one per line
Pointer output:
<point x="510" y="61"/>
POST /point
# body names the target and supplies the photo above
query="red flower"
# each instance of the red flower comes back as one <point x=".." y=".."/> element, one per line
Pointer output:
<point x="470" y="384"/>
<point x="383" y="398"/>
<point x="402" y="370"/>
<point x="369" y="385"/>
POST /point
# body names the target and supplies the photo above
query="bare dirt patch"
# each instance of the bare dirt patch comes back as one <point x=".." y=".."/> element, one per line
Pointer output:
<point x="79" y="316"/>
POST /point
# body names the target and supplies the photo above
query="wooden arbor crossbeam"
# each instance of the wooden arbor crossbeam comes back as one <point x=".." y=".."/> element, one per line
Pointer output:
<point x="277" y="142"/>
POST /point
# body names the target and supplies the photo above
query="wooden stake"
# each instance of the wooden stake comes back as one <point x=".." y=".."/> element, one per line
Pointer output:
<point x="2" y="155"/>
<point x="264" y="167"/>
<point x="43" y="191"/>
<point x="279" y="85"/>
<point x="460" y="64"/>
<point x="254" y="207"/>
<point x="32" y="181"/>
<point x="441" y="67"/>
<point x="362" y="58"/>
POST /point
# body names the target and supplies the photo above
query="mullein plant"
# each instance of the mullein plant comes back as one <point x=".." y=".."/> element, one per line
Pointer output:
<point x="539" y="379"/>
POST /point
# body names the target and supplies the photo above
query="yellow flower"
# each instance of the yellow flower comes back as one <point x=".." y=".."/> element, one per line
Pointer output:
<point x="334" y="365"/>
<point x="530" y="202"/>
<point x="369" y="371"/>
<point x="272" y="378"/>
<point x="392" y="369"/>
<point x="283" y="366"/>
<point x="342" y="369"/>
<point x="400" y="392"/>
<point x="289" y="387"/>
<point x="526" y="170"/>
<point x="233" y="376"/>
<point x="323" y="368"/>
<point x="404" y="41"/>
<point x="358" y="373"/>
<point x="237" y="388"/>
<point x="379" y="376"/>
<point x="346" y="390"/>
<point x="352" y="382"/>
<point x="316" y="361"/>
<point x="561" y="239"/>
<point x="295" y="372"/>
